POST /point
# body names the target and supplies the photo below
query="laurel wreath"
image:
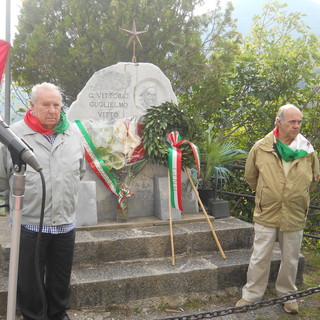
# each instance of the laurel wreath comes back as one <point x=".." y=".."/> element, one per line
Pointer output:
<point x="157" y="123"/>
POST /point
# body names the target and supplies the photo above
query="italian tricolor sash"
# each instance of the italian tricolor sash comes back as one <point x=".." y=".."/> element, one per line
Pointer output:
<point x="100" y="168"/>
<point x="299" y="147"/>
<point x="175" y="167"/>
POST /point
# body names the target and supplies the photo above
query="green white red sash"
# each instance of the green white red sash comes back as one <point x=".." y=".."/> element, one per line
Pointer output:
<point x="100" y="168"/>
<point x="175" y="167"/>
<point x="299" y="147"/>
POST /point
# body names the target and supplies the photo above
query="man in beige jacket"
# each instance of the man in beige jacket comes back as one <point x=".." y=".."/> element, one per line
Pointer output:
<point x="281" y="168"/>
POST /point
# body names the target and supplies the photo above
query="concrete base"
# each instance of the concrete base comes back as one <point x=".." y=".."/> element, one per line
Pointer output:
<point x="161" y="203"/>
<point x="218" y="208"/>
<point x="86" y="212"/>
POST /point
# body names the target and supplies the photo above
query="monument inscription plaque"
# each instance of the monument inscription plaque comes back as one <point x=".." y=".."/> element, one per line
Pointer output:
<point x="122" y="91"/>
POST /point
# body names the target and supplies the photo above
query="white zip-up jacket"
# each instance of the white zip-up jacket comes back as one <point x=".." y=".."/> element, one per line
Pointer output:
<point x="63" y="165"/>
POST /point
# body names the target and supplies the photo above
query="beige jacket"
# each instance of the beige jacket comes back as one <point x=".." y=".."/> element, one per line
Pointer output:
<point x="280" y="201"/>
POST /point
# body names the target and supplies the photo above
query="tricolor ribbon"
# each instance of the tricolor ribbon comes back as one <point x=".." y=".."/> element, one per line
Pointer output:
<point x="124" y="193"/>
<point x="100" y="168"/>
<point x="175" y="167"/>
<point x="298" y="148"/>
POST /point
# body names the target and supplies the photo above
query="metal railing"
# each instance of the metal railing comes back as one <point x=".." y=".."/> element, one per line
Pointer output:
<point x="249" y="196"/>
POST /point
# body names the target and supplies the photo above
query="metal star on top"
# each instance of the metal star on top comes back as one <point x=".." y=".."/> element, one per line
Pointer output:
<point x="134" y="38"/>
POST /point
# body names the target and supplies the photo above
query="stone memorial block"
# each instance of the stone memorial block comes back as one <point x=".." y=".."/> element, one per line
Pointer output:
<point x="161" y="203"/>
<point x="119" y="95"/>
<point x="189" y="199"/>
<point x="86" y="212"/>
<point x="122" y="91"/>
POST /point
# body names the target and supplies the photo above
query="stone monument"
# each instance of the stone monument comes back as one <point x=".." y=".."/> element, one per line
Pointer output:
<point x="122" y="91"/>
<point x="121" y="94"/>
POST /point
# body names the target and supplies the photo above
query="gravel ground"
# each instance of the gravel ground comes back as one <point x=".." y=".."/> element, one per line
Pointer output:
<point x="199" y="307"/>
<point x="309" y="309"/>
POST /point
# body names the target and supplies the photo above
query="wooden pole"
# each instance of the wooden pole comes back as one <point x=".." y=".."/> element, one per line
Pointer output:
<point x="206" y="214"/>
<point x="170" y="219"/>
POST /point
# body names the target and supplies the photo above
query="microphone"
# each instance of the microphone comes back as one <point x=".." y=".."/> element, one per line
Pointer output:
<point x="17" y="146"/>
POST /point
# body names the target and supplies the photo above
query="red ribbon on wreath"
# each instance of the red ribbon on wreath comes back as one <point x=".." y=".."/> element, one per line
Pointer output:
<point x="175" y="166"/>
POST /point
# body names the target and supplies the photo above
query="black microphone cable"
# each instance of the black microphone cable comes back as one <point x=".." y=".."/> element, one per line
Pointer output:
<point x="38" y="247"/>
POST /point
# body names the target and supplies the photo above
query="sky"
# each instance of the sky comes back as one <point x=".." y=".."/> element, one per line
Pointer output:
<point x="244" y="11"/>
<point x="15" y="9"/>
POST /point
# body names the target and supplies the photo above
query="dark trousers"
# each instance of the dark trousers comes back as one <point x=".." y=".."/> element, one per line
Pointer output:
<point x="56" y="257"/>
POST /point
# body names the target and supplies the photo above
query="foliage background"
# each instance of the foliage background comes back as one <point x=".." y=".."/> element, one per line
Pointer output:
<point x="234" y="85"/>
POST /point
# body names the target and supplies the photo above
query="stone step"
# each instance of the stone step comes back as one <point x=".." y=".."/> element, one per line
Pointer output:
<point x="98" y="245"/>
<point x="123" y="263"/>
<point x="115" y="283"/>
<point x="120" y="282"/>
<point x="145" y="238"/>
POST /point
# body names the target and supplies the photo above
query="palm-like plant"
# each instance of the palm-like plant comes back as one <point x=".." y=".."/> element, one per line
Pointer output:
<point x="216" y="152"/>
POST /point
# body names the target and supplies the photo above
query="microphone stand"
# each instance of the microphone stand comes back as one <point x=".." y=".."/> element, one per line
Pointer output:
<point x="18" y="193"/>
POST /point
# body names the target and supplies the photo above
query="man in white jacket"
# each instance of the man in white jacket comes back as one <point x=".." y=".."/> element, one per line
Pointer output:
<point x="58" y="148"/>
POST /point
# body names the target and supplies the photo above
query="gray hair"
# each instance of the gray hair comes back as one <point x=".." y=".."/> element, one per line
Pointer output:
<point x="44" y="85"/>
<point x="282" y="110"/>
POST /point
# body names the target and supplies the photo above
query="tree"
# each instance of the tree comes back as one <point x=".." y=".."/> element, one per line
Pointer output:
<point x="277" y="65"/>
<point x="66" y="41"/>
<point x="249" y="79"/>
<point x="207" y="92"/>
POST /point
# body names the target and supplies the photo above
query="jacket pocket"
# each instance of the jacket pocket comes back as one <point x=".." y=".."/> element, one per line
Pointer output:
<point x="259" y="198"/>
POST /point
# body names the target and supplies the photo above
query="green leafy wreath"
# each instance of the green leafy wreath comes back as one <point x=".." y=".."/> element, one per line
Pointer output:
<point x="157" y="123"/>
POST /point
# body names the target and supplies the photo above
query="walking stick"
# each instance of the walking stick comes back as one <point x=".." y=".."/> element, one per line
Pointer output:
<point x="170" y="220"/>
<point x="206" y="215"/>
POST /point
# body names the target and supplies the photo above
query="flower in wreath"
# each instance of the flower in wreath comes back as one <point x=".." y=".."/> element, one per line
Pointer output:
<point x="109" y="146"/>
<point x="126" y="137"/>
<point x="115" y="142"/>
<point x="101" y="134"/>
<point x="139" y="151"/>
